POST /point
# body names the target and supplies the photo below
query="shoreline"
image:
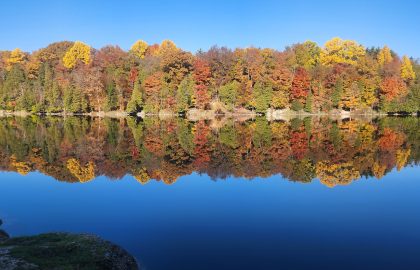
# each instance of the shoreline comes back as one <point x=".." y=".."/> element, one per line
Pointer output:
<point x="195" y="115"/>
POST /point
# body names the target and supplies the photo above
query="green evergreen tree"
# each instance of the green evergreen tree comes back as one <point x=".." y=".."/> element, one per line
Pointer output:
<point x="412" y="103"/>
<point x="262" y="96"/>
<point x="52" y="97"/>
<point x="308" y="125"/>
<point x="308" y="103"/>
<point x="74" y="100"/>
<point x="184" y="94"/>
<point x="228" y="94"/>
<point x="262" y="135"/>
<point x="297" y="105"/>
<point x="112" y="130"/>
<point x="26" y="99"/>
<point x="68" y="98"/>
<point x="228" y="136"/>
<point x="136" y="100"/>
<point x="79" y="102"/>
<point x="136" y="129"/>
<point x="47" y="98"/>
<point x="111" y="97"/>
<point x="15" y="79"/>
<point x="185" y="136"/>
<point x="337" y="93"/>
<point x="335" y="135"/>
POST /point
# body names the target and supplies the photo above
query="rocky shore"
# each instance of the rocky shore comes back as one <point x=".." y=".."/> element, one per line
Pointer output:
<point x="62" y="251"/>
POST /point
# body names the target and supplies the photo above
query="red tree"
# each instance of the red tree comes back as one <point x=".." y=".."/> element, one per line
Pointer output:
<point x="299" y="143"/>
<point x="152" y="87"/>
<point x="134" y="73"/>
<point x="202" y="79"/>
<point x="201" y="149"/>
<point x="390" y="140"/>
<point x="392" y="87"/>
<point x="300" y="85"/>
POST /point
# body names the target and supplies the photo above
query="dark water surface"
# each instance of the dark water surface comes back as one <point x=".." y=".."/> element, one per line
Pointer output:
<point x="305" y="194"/>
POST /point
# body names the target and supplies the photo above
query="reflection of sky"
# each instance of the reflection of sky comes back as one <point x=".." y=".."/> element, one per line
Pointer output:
<point x="229" y="224"/>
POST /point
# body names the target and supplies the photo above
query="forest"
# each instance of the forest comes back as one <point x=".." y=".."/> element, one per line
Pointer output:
<point x="72" y="77"/>
<point x="337" y="152"/>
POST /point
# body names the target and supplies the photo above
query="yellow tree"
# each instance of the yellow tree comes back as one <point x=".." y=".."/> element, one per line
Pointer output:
<point x="368" y="95"/>
<point x="21" y="167"/>
<point x="32" y="66"/>
<point x="16" y="57"/>
<point x="167" y="46"/>
<point x="142" y="176"/>
<point x="139" y="48"/>
<point x="402" y="158"/>
<point x="378" y="170"/>
<point x="82" y="173"/>
<point x="332" y="174"/>
<point x="280" y="99"/>
<point x="384" y="56"/>
<point x="407" y="72"/>
<point x="307" y="54"/>
<point x="338" y="51"/>
<point x="351" y="97"/>
<point x="79" y="51"/>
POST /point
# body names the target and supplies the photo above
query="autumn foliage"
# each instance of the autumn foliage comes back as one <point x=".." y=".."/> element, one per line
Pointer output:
<point x="77" y="149"/>
<point x="72" y="77"/>
<point x="202" y="78"/>
<point x="300" y="85"/>
<point x="393" y="87"/>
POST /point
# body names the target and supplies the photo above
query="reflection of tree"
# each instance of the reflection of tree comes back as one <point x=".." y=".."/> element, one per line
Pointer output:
<point x="262" y="133"/>
<point x="21" y="167"/>
<point x="201" y="151"/>
<point x="390" y="140"/>
<point x="299" y="143"/>
<point x="77" y="149"/>
<point x="303" y="170"/>
<point x="402" y="157"/>
<point x="378" y="170"/>
<point x="141" y="176"/>
<point x="84" y="174"/>
<point x="336" y="174"/>
<point x="185" y="136"/>
<point x="228" y="136"/>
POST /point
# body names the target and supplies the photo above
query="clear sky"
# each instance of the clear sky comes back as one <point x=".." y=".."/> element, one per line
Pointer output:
<point x="195" y="25"/>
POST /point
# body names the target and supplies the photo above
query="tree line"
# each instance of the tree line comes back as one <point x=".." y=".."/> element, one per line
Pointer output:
<point x="72" y="77"/>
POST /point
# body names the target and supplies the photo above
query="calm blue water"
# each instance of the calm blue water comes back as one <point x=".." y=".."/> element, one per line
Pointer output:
<point x="198" y="223"/>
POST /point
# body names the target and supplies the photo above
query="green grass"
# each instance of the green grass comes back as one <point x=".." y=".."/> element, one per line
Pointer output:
<point x="60" y="251"/>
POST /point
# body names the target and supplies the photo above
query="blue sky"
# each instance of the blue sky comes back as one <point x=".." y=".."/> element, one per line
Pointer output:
<point x="195" y="25"/>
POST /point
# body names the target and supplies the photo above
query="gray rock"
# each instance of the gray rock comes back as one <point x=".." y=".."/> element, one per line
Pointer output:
<point x="3" y="235"/>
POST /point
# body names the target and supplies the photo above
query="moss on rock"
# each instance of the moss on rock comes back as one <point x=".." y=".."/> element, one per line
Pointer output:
<point x="63" y="251"/>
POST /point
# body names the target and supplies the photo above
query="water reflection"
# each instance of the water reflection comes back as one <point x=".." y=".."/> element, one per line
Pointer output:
<point x="335" y="151"/>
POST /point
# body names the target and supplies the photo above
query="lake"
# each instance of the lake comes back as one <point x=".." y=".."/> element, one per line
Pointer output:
<point x="307" y="193"/>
